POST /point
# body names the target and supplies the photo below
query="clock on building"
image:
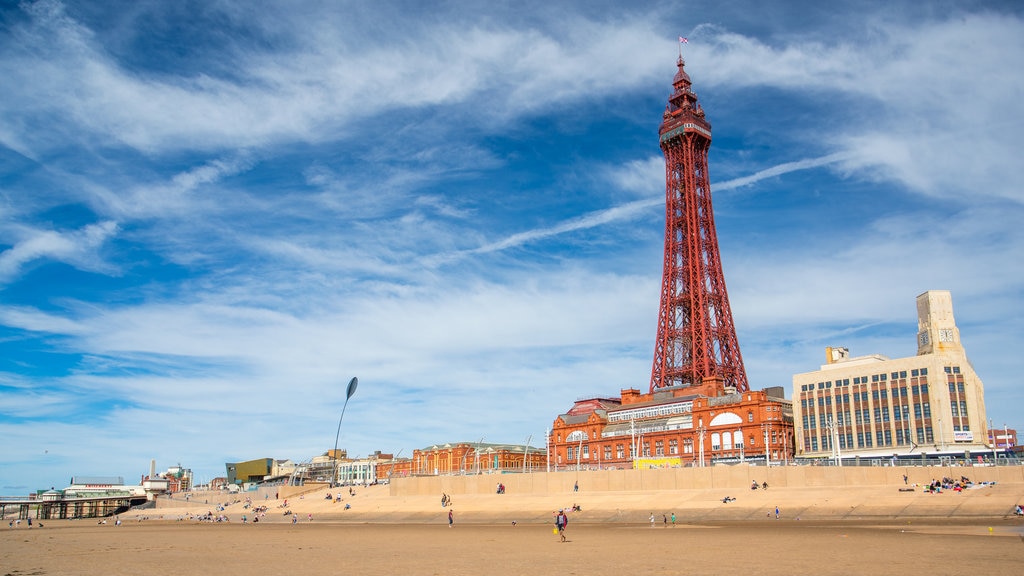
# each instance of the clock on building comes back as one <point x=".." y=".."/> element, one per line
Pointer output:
<point x="923" y="338"/>
<point x="945" y="335"/>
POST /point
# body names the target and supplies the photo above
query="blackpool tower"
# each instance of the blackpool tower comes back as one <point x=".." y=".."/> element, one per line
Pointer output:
<point x="696" y="345"/>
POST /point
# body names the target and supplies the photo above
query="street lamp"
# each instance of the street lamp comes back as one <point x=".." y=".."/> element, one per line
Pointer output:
<point x="352" y="384"/>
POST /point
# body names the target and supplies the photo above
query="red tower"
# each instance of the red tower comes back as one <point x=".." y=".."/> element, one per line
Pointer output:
<point x="696" y="345"/>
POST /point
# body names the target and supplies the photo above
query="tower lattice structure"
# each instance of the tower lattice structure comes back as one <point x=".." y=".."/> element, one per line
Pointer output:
<point x="696" y="344"/>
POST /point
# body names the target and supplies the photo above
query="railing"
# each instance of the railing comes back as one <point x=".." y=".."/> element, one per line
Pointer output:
<point x="932" y="461"/>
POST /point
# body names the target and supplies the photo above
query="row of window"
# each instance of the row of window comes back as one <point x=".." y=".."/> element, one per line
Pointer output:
<point x="919" y="392"/>
<point x="898" y="375"/>
<point x="651" y="412"/>
<point x="724" y="441"/>
<point x="880" y="438"/>
<point x="881" y="415"/>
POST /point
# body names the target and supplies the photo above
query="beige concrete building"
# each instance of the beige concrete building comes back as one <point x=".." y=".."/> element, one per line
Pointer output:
<point x="877" y="407"/>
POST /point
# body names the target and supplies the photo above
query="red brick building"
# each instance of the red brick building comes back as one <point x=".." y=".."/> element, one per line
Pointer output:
<point x="476" y="458"/>
<point x="673" y="427"/>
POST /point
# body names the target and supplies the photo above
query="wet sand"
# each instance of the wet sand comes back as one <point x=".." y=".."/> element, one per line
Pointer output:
<point x="757" y="547"/>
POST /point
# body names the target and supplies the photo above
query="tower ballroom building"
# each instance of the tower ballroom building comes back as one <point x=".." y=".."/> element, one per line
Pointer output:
<point x="876" y="407"/>
<point x="699" y="408"/>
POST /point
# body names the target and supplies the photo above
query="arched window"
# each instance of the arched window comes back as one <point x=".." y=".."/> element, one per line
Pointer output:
<point x="726" y="441"/>
<point x="716" y="441"/>
<point x="737" y="438"/>
<point x="750" y="416"/>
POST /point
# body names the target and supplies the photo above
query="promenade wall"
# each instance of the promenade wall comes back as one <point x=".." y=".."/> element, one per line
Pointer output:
<point x="732" y="477"/>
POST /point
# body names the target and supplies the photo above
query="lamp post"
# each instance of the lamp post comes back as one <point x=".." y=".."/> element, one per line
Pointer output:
<point x="352" y="384"/>
<point x="526" y="451"/>
<point x="700" y="432"/>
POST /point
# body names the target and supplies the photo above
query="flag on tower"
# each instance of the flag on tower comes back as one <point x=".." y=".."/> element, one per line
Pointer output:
<point x="683" y="40"/>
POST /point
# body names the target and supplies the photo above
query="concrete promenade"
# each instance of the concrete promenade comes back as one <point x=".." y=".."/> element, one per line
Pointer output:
<point x="856" y="494"/>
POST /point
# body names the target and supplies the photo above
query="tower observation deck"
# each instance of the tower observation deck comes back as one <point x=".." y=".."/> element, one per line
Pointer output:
<point x="696" y="344"/>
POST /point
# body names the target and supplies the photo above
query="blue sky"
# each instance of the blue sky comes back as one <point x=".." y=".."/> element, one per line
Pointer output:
<point x="213" y="214"/>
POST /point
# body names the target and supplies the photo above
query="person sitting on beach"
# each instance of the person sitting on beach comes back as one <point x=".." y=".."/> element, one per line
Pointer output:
<point x="1019" y="511"/>
<point x="753" y="486"/>
<point x="764" y="486"/>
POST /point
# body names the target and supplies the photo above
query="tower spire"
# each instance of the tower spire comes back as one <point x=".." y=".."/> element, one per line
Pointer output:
<point x="696" y="344"/>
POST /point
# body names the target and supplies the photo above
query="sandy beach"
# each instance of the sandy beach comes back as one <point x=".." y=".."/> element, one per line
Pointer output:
<point x="761" y="547"/>
<point x="878" y="530"/>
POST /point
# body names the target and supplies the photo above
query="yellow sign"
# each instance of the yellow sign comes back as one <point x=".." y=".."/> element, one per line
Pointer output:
<point x="642" y="463"/>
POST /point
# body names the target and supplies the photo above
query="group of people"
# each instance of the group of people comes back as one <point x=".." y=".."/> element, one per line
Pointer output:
<point x="937" y="486"/>
<point x="500" y="489"/>
<point x="753" y="485"/>
<point x="446" y="500"/>
<point x="16" y="523"/>
<point x="664" y="519"/>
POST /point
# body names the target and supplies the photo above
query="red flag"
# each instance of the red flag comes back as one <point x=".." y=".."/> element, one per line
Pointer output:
<point x="683" y="40"/>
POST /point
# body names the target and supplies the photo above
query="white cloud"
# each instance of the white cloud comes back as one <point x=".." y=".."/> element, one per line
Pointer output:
<point x="77" y="248"/>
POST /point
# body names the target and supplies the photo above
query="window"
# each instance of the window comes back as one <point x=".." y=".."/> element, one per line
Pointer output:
<point x="750" y="416"/>
<point x="619" y="453"/>
<point x="607" y="452"/>
<point x="688" y="445"/>
<point x="927" y="410"/>
<point x="737" y="439"/>
<point x="586" y="451"/>
<point x="716" y="441"/>
<point x="570" y="452"/>
<point x="659" y="448"/>
<point x="673" y="446"/>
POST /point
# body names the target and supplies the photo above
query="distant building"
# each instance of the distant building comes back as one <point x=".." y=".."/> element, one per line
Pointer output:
<point x="240" y="473"/>
<point x="1002" y="438"/>
<point x="873" y="406"/>
<point x="100" y="487"/>
<point x="476" y="458"/>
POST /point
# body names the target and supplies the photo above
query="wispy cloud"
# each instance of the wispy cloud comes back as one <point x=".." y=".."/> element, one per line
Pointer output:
<point x="79" y="248"/>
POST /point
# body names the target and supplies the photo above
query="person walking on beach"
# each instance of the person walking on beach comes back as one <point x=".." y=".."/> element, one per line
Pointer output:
<point x="561" y="521"/>
<point x="776" y="512"/>
<point x="673" y="519"/>
<point x="451" y="518"/>
<point x="652" y="519"/>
